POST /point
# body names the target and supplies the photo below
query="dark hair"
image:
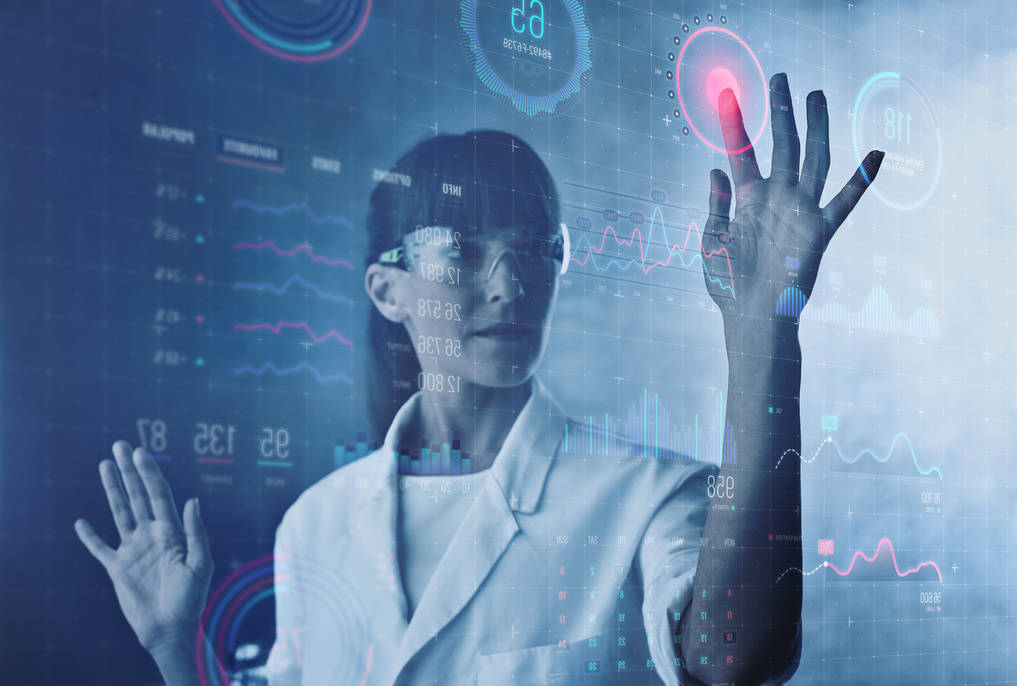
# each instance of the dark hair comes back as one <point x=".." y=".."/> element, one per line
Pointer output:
<point x="481" y="178"/>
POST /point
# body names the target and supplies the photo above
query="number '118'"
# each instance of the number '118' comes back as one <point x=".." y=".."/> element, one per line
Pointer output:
<point x="895" y="125"/>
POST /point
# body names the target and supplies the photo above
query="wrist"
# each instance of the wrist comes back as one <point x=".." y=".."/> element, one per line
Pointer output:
<point x="172" y="648"/>
<point x="761" y="336"/>
<point x="763" y="355"/>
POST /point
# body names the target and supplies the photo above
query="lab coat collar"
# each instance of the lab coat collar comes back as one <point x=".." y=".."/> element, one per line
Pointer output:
<point x="516" y="484"/>
<point x="524" y="460"/>
<point x="522" y="464"/>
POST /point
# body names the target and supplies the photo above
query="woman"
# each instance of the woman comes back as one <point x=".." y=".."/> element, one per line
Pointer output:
<point x="553" y="569"/>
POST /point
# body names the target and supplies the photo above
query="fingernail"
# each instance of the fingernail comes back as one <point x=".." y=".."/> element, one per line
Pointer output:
<point x="197" y="507"/>
<point x="871" y="164"/>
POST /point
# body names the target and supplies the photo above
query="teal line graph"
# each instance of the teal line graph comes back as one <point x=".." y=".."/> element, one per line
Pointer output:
<point x="882" y="460"/>
<point x="876" y="315"/>
<point x="900" y="436"/>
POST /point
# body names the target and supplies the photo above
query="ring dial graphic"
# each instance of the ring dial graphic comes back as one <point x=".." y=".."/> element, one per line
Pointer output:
<point x="298" y="30"/>
<point x="892" y="114"/>
<point x="708" y="58"/>
<point x="533" y="54"/>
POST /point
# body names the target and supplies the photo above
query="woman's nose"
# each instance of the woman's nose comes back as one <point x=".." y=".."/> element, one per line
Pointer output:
<point x="502" y="281"/>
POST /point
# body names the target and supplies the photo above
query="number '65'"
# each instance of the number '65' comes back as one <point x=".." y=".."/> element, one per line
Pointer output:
<point x="537" y="17"/>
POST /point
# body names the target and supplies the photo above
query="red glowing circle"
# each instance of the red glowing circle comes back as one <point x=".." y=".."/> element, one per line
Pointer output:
<point x="718" y="79"/>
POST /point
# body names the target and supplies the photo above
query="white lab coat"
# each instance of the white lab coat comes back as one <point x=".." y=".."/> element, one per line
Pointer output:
<point x="568" y="569"/>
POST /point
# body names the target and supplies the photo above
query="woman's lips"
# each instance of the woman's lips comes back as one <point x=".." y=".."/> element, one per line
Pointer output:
<point x="504" y="331"/>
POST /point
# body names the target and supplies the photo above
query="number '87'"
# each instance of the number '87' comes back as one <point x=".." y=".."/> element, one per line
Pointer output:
<point x="536" y="19"/>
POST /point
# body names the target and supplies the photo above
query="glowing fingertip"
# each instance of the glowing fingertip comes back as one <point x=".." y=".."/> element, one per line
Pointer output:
<point x="718" y="84"/>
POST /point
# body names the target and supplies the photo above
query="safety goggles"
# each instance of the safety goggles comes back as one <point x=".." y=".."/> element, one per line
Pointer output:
<point x="441" y="253"/>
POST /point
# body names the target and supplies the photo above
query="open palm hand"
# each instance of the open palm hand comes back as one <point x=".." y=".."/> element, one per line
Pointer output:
<point x="162" y="568"/>
<point x="779" y="233"/>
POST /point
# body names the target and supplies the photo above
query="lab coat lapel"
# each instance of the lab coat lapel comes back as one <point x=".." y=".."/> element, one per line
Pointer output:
<point x="515" y="483"/>
<point x="375" y="531"/>
<point x="486" y="532"/>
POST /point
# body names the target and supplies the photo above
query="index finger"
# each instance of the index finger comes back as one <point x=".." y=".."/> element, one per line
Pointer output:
<point x="740" y="154"/>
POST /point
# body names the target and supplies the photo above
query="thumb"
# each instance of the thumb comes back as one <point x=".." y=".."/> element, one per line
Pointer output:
<point x="199" y="556"/>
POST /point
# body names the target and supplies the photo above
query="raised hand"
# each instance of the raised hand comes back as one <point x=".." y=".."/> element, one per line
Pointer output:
<point x="779" y="217"/>
<point x="161" y="570"/>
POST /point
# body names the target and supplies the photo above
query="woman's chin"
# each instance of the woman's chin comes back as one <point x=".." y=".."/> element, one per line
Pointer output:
<point x="491" y="376"/>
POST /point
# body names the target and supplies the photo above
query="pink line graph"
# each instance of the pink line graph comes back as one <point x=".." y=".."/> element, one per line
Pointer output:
<point x="660" y="263"/>
<point x="893" y="556"/>
<point x="293" y="325"/>
<point x="253" y="165"/>
<point x="289" y="253"/>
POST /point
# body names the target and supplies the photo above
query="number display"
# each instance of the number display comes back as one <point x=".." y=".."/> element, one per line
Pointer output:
<point x="439" y="273"/>
<point x="274" y="443"/>
<point x="441" y="236"/>
<point x="720" y="486"/>
<point x="152" y="435"/>
<point x="536" y="18"/>
<point x="437" y="382"/>
<point x="208" y="439"/>
<point x="436" y="309"/>
<point x="896" y="127"/>
<point x="434" y="346"/>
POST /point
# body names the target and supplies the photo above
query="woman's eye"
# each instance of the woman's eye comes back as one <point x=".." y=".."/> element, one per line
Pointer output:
<point x="464" y="253"/>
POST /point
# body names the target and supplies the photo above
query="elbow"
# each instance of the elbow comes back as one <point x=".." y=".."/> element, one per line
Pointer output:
<point x="766" y="662"/>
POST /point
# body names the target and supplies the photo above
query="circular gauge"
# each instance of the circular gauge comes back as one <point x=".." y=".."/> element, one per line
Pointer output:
<point x="299" y="31"/>
<point x="533" y="54"/>
<point x="258" y="582"/>
<point x="892" y="114"/>
<point x="711" y="60"/>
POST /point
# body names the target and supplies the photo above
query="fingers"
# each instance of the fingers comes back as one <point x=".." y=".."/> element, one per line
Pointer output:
<point x="817" y="146"/>
<point x="136" y="491"/>
<point x="199" y="556"/>
<point x="159" y="494"/>
<point x="716" y="238"/>
<point x="117" y="498"/>
<point x="741" y="156"/>
<point x="839" y="208"/>
<point x="100" y="551"/>
<point x="786" y="146"/>
<point x="720" y="203"/>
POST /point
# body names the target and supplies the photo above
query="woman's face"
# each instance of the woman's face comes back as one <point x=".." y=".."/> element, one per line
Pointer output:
<point x="477" y="307"/>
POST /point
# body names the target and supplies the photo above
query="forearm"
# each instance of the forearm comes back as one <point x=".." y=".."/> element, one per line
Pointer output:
<point x="178" y="662"/>
<point x="752" y="536"/>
